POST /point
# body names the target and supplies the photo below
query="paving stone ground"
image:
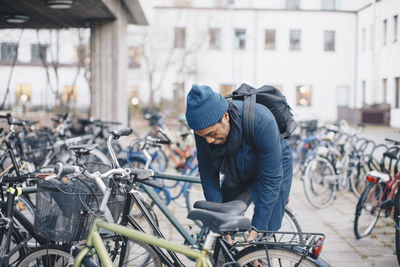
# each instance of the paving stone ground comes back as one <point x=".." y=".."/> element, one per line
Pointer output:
<point x="341" y="248"/>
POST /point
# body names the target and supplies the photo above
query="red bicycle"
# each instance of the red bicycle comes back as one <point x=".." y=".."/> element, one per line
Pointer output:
<point x="380" y="195"/>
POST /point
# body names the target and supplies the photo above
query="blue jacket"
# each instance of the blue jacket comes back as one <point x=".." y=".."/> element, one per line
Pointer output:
<point x="265" y="169"/>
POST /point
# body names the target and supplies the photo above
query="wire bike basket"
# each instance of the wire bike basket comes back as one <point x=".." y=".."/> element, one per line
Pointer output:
<point x="66" y="208"/>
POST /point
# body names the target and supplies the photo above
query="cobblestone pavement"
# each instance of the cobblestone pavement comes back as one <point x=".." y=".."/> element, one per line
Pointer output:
<point x="341" y="248"/>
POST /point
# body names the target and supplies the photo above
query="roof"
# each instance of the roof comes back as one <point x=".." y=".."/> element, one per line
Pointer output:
<point x="79" y="15"/>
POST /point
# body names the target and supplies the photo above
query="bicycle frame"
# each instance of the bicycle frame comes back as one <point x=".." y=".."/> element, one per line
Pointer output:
<point x="94" y="240"/>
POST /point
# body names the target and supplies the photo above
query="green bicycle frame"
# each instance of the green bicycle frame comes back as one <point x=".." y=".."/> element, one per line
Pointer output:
<point x="94" y="240"/>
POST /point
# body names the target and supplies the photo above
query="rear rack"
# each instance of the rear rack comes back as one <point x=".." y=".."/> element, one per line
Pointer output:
<point x="304" y="240"/>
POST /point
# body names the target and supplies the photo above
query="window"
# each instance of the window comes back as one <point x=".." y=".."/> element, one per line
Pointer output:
<point x="69" y="93"/>
<point x="38" y="53"/>
<point x="329" y="41"/>
<point x="363" y="38"/>
<point x="293" y="4"/>
<point x="134" y="96"/>
<point x="240" y="39"/>
<point x="397" y="92"/>
<point x="328" y="5"/>
<point x="342" y="96"/>
<point x="371" y="36"/>
<point x="303" y="95"/>
<point x="179" y="91"/>
<point x="295" y="40"/>
<point x="134" y="57"/>
<point x="180" y="38"/>
<point x="384" y="32"/>
<point x="395" y="23"/>
<point x="226" y="89"/>
<point x="22" y="93"/>
<point x="215" y="38"/>
<point x="384" y="90"/>
<point x="183" y="3"/>
<point x="364" y="92"/>
<point x="82" y="53"/>
<point x="270" y="39"/>
<point x="8" y="51"/>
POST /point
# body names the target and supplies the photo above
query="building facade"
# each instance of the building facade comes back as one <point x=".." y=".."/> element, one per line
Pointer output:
<point x="310" y="50"/>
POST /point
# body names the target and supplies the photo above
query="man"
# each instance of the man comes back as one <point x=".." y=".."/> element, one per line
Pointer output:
<point x="264" y="170"/>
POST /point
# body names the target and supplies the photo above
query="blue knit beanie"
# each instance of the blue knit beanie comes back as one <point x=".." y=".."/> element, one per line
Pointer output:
<point x="204" y="107"/>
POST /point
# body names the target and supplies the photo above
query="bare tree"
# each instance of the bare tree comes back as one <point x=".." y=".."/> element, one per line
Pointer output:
<point x="11" y="70"/>
<point x="160" y="57"/>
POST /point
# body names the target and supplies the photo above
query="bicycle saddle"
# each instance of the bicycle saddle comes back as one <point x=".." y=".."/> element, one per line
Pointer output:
<point x="221" y="222"/>
<point x="235" y="207"/>
<point x="82" y="149"/>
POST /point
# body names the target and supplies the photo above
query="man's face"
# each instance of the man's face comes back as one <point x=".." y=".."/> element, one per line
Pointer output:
<point x="218" y="133"/>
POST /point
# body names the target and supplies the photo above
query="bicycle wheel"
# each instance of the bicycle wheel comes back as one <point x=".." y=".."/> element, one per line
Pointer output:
<point x="289" y="222"/>
<point x="319" y="178"/>
<point x="48" y="256"/>
<point x="367" y="210"/>
<point x="136" y="253"/>
<point x="396" y="218"/>
<point x="256" y="256"/>
<point x="16" y="238"/>
<point x="357" y="180"/>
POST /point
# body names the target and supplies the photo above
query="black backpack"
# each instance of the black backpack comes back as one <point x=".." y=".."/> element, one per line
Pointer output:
<point x="270" y="97"/>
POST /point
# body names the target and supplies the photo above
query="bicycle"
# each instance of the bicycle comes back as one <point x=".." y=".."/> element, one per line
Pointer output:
<point x="218" y="223"/>
<point x="336" y="166"/>
<point x="381" y="194"/>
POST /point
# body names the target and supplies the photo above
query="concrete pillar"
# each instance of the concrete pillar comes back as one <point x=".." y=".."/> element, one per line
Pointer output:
<point x="109" y="97"/>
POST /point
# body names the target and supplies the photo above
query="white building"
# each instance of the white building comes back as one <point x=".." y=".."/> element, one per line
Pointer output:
<point x="30" y="83"/>
<point x="310" y="49"/>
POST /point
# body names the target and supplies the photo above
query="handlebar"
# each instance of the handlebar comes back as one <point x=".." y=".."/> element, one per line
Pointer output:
<point x="393" y="141"/>
<point x="143" y="176"/>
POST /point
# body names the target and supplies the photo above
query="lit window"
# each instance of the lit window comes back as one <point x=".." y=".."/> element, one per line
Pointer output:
<point x="295" y="40"/>
<point x="226" y="89"/>
<point x="69" y="93"/>
<point x="303" y="95"/>
<point x="38" y="53"/>
<point x="328" y="5"/>
<point x="384" y="37"/>
<point x="293" y="4"/>
<point x="240" y="39"/>
<point x="134" y="95"/>
<point x="180" y="38"/>
<point x="215" y="38"/>
<point x="134" y="57"/>
<point x="8" y="51"/>
<point x="395" y="26"/>
<point x="23" y="93"/>
<point x="329" y="40"/>
<point x="270" y="39"/>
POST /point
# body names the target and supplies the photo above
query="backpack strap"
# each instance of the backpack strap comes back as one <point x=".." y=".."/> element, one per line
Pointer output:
<point x="249" y="109"/>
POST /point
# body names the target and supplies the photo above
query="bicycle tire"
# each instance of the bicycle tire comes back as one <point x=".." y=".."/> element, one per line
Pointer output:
<point x="292" y="220"/>
<point x="371" y="213"/>
<point x="16" y="238"/>
<point x="277" y="257"/>
<point x="47" y="256"/>
<point x="318" y="189"/>
<point x="396" y="217"/>
<point x="357" y="180"/>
